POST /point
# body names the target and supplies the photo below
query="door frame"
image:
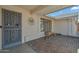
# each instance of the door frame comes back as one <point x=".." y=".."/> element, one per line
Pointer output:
<point x="3" y="23"/>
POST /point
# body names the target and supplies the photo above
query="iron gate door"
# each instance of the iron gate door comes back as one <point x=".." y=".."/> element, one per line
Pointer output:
<point x="11" y="22"/>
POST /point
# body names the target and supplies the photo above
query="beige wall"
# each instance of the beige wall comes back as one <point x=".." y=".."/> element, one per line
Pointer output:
<point x="29" y="32"/>
<point x="65" y="27"/>
<point x="60" y="26"/>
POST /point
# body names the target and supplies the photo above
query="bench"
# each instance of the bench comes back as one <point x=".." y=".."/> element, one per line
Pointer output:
<point x="49" y="34"/>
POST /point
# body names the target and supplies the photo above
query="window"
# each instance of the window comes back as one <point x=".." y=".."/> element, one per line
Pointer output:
<point x="42" y="25"/>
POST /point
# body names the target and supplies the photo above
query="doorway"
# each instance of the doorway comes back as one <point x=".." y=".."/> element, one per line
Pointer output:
<point x="11" y="30"/>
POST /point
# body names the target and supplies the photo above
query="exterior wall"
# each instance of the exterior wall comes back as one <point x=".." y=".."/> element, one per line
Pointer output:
<point x="53" y="25"/>
<point x="33" y="31"/>
<point x="65" y="27"/>
<point x="60" y="26"/>
<point x="29" y="32"/>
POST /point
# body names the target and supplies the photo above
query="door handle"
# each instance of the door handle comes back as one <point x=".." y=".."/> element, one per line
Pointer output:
<point x="0" y="26"/>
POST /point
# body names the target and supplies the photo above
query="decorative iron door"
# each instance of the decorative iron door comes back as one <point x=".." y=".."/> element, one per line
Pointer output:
<point x="11" y="22"/>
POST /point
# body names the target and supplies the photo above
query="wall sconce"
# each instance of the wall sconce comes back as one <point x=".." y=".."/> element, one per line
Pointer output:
<point x="31" y="20"/>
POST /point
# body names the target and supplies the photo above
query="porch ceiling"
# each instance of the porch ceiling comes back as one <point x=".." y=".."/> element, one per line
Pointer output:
<point x="33" y="8"/>
<point x="43" y="9"/>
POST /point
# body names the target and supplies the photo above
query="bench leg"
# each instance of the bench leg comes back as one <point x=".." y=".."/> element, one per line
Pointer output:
<point x="46" y="37"/>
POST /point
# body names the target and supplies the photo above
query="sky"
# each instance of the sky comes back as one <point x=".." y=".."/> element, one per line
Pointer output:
<point x="65" y="11"/>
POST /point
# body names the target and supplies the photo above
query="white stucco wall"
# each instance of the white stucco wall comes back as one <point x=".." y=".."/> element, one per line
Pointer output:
<point x="29" y="32"/>
<point x="65" y="27"/>
<point x="53" y="25"/>
<point x="60" y="26"/>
